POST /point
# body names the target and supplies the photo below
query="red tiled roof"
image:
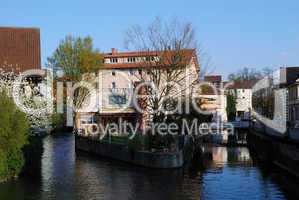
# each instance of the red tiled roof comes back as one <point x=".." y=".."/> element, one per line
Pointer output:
<point x="19" y="49"/>
<point x="213" y="78"/>
<point x="130" y="54"/>
<point x="244" y="84"/>
<point x="187" y="56"/>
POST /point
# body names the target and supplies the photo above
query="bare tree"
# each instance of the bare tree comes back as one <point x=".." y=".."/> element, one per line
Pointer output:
<point x="250" y="74"/>
<point x="168" y="64"/>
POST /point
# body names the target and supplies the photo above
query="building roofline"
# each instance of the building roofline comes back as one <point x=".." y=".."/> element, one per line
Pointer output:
<point x="17" y="27"/>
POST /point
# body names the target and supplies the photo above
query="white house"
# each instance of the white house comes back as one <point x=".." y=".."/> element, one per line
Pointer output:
<point x="243" y="94"/>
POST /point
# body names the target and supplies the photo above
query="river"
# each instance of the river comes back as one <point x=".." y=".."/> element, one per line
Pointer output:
<point x="67" y="175"/>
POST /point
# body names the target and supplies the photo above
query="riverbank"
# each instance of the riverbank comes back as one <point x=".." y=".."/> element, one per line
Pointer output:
<point x="277" y="151"/>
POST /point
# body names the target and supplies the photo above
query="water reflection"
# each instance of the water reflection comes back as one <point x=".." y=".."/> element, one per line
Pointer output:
<point x="224" y="173"/>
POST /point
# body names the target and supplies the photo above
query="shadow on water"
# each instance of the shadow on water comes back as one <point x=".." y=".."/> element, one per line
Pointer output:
<point x="218" y="173"/>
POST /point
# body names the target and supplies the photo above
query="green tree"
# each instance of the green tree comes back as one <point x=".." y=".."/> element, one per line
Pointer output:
<point x="76" y="56"/>
<point x="13" y="136"/>
<point x="79" y="60"/>
<point x="231" y="107"/>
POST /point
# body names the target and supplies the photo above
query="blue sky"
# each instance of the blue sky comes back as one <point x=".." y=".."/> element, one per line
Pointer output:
<point x="234" y="33"/>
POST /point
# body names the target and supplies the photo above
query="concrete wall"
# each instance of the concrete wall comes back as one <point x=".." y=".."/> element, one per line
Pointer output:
<point x="283" y="153"/>
<point x="122" y="153"/>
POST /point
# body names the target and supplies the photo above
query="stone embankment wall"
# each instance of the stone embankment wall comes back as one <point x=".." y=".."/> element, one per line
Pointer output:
<point x="122" y="153"/>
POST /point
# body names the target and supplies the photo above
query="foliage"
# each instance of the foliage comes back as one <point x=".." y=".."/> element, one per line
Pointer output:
<point x="76" y="56"/>
<point x="13" y="136"/>
<point x="231" y="107"/>
<point x="136" y="144"/>
<point x="188" y="113"/>
<point x="57" y="120"/>
<point x="79" y="60"/>
<point x="30" y="97"/>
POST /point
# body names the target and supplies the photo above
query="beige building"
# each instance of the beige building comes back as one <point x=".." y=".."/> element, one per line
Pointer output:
<point x="119" y="77"/>
<point x="212" y="102"/>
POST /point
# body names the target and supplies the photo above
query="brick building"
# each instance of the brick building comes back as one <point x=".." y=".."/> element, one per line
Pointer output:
<point x="19" y="49"/>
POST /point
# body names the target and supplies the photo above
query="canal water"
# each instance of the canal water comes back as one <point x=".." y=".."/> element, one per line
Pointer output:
<point x="228" y="174"/>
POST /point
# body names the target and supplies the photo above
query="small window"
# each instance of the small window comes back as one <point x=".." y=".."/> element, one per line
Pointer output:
<point x="113" y="85"/>
<point x="131" y="59"/>
<point x="117" y="99"/>
<point x="139" y="71"/>
<point x="113" y="73"/>
<point x="131" y="72"/>
<point x="113" y="60"/>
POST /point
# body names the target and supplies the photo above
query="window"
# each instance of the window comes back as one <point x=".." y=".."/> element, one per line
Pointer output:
<point x="140" y="71"/>
<point x="131" y="59"/>
<point x="131" y="72"/>
<point x="113" y="60"/>
<point x="113" y="85"/>
<point x="117" y="99"/>
<point x="88" y="119"/>
<point x="113" y="73"/>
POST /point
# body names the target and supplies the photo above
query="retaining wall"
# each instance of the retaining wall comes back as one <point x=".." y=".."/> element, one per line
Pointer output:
<point x="122" y="153"/>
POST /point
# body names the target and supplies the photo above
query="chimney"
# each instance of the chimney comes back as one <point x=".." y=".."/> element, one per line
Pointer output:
<point x="113" y="51"/>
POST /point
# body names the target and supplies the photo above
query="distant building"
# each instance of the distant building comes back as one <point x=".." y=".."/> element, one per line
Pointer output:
<point x="276" y="104"/>
<point x="19" y="49"/>
<point x="293" y="104"/>
<point x="216" y="80"/>
<point x="242" y="90"/>
<point x="214" y="102"/>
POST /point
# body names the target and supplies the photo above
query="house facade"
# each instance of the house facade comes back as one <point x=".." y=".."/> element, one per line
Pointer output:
<point x="118" y="79"/>
<point x="215" y="103"/>
<point x="293" y="104"/>
<point x="242" y="90"/>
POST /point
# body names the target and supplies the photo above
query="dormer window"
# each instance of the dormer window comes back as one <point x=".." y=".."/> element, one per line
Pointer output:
<point x="113" y="60"/>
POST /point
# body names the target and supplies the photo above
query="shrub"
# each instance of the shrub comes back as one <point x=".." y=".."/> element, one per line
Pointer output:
<point x="135" y="144"/>
<point x="57" y="120"/>
<point x="13" y="136"/>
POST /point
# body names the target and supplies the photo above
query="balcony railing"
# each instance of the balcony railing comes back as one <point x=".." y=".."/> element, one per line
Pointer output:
<point x="116" y="97"/>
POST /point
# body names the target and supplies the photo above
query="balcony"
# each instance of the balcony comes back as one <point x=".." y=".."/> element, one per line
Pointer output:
<point x="117" y="100"/>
